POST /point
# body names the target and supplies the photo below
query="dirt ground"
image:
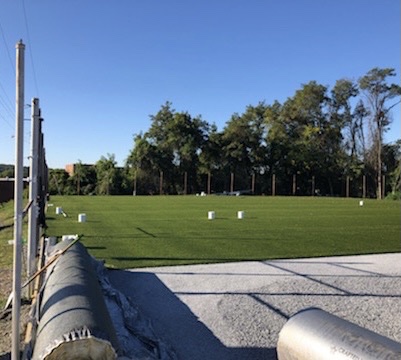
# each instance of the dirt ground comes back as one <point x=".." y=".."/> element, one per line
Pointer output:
<point x="6" y="318"/>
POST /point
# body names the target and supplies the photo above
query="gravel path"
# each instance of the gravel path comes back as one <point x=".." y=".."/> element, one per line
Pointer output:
<point x="236" y="310"/>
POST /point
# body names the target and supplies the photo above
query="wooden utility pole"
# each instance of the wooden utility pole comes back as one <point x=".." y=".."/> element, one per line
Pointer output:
<point x="209" y="179"/>
<point x="18" y="189"/>
<point x="232" y="183"/>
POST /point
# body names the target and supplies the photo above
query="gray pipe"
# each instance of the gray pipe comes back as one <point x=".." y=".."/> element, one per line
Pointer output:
<point x="73" y="319"/>
<point x="314" y="334"/>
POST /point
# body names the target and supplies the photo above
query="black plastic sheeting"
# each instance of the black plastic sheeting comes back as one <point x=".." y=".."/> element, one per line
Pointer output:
<point x="82" y="316"/>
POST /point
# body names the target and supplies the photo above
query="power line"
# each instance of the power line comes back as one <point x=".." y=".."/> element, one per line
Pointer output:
<point x="7" y="122"/>
<point x="30" y="48"/>
<point x="8" y="105"/>
<point x="7" y="50"/>
<point x="5" y="101"/>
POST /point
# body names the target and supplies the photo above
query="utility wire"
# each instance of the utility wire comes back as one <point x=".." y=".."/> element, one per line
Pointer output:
<point x="5" y="101"/>
<point x="7" y="50"/>
<point x="7" y="122"/>
<point x="7" y="104"/>
<point x="30" y="48"/>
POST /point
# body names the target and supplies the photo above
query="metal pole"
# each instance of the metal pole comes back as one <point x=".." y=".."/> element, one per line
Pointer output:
<point x="136" y="171"/>
<point x="161" y="183"/>
<point x="313" y="185"/>
<point x="364" y="186"/>
<point x="33" y="189"/>
<point x="274" y="185"/>
<point x="294" y="184"/>
<point x="18" y="189"/>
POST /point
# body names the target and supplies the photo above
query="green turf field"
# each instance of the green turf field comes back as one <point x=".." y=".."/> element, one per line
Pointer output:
<point x="167" y="230"/>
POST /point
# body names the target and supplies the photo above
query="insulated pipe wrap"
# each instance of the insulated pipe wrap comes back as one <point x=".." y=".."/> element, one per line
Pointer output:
<point x="73" y="319"/>
<point x="314" y="334"/>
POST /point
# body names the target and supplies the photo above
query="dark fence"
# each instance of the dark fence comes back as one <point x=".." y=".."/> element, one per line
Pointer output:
<point x="363" y="186"/>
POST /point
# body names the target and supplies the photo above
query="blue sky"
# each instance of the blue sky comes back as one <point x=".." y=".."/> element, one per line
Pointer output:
<point x="101" y="67"/>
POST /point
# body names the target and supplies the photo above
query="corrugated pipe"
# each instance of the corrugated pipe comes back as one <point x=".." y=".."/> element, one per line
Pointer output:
<point x="73" y="319"/>
<point x="313" y="334"/>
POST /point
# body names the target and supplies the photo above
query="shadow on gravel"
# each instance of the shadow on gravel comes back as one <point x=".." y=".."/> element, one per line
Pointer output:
<point x="174" y="322"/>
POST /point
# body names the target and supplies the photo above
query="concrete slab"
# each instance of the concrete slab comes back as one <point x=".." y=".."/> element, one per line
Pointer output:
<point x="236" y="310"/>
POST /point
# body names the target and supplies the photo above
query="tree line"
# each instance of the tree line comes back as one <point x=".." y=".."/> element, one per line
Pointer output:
<point x="318" y="141"/>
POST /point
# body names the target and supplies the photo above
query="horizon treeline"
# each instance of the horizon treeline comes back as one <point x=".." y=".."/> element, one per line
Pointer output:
<point x="320" y="141"/>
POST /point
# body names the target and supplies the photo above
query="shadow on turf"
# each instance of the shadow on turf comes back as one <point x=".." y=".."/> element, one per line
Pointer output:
<point x="174" y="260"/>
<point x="174" y="322"/>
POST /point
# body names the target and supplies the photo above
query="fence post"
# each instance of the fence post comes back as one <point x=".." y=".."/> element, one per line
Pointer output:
<point x="363" y="186"/>
<point x="33" y="189"/>
<point x="185" y="182"/>
<point x="274" y="185"/>
<point x="161" y="183"/>
<point x="18" y="189"/>
<point x="135" y="184"/>
<point x="294" y="184"/>
<point x="313" y="185"/>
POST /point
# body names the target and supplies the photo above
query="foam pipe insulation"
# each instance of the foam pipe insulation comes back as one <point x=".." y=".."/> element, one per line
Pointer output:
<point x="313" y="334"/>
<point x="73" y="321"/>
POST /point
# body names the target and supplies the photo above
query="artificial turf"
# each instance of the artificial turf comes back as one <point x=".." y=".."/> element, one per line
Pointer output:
<point x="138" y="231"/>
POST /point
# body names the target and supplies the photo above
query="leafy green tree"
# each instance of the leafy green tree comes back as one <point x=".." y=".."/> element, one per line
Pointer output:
<point x="79" y="175"/>
<point x="143" y="166"/>
<point x="106" y="175"/>
<point x="378" y="92"/>
<point x="212" y="161"/>
<point x="58" y="182"/>
<point x="244" y="145"/>
<point x="391" y="166"/>
<point x="341" y="113"/>
<point x="172" y="145"/>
